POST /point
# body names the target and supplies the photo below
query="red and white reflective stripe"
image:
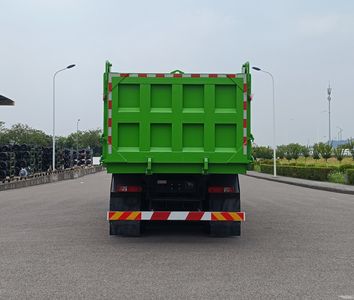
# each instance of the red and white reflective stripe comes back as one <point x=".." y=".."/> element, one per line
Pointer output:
<point x="129" y="189"/>
<point x="221" y="189"/>
<point x="109" y="119"/>
<point x="236" y="216"/>
<point x="245" y="142"/>
<point x="175" y="75"/>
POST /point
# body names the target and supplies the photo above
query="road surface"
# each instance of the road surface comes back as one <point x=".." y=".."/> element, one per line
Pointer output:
<point x="296" y="243"/>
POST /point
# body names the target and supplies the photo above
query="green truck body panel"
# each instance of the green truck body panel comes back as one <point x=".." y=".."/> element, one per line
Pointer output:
<point x="176" y="123"/>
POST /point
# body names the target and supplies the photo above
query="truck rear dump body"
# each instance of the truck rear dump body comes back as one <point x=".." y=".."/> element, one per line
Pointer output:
<point x="173" y="140"/>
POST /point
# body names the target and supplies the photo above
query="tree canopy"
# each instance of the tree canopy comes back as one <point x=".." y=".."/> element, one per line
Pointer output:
<point x="24" y="134"/>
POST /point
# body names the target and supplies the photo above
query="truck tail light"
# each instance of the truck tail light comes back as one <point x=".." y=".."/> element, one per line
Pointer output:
<point x="221" y="189"/>
<point x="129" y="189"/>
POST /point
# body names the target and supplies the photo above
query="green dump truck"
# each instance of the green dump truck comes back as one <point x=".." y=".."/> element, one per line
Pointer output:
<point x="175" y="144"/>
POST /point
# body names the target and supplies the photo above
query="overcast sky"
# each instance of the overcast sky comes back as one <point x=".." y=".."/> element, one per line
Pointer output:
<point x="304" y="44"/>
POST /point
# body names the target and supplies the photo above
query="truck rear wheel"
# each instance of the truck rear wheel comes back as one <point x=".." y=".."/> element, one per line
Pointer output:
<point x="124" y="228"/>
<point x="124" y="202"/>
<point x="224" y="228"/>
<point x="224" y="202"/>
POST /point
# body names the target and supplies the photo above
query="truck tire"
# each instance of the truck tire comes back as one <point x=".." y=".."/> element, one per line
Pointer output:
<point x="125" y="228"/>
<point x="124" y="202"/>
<point x="225" y="202"/>
<point x="224" y="228"/>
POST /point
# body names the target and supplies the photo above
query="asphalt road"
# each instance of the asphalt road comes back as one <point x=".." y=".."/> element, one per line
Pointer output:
<point x="297" y="243"/>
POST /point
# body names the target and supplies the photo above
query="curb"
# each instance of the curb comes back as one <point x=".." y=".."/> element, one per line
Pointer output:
<point x="49" y="178"/>
<point x="306" y="185"/>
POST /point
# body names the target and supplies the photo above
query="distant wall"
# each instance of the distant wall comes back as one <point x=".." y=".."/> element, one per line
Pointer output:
<point x="49" y="177"/>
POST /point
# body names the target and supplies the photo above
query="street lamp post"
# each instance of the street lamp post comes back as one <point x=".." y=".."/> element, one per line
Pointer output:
<point x="340" y="136"/>
<point x="274" y="135"/>
<point x="55" y="74"/>
<point x="77" y="141"/>
<point x="329" y="91"/>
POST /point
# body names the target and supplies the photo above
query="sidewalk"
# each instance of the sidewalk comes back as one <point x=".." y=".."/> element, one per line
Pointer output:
<point x="319" y="185"/>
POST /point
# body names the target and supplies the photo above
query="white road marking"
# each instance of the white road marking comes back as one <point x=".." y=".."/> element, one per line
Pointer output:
<point x="348" y="297"/>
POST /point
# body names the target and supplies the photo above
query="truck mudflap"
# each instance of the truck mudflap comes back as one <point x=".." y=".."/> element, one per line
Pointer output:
<point x="175" y="216"/>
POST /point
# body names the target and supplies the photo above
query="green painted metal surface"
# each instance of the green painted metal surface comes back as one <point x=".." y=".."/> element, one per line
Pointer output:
<point x="176" y="123"/>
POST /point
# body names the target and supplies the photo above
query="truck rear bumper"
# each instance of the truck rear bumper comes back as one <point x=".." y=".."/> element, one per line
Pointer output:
<point x="175" y="216"/>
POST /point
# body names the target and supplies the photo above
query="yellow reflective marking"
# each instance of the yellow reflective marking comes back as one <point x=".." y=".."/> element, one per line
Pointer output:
<point x="219" y="216"/>
<point x="235" y="216"/>
<point x="116" y="216"/>
<point x="133" y="215"/>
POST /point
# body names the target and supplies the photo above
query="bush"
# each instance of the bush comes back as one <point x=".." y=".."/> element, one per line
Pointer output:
<point x="266" y="161"/>
<point x="311" y="173"/>
<point x="349" y="176"/>
<point x="268" y="169"/>
<point x="350" y="146"/>
<point x="343" y="168"/>
<point x="336" y="177"/>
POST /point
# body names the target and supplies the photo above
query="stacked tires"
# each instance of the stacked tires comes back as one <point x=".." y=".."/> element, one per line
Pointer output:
<point x="7" y="162"/>
<point x="35" y="159"/>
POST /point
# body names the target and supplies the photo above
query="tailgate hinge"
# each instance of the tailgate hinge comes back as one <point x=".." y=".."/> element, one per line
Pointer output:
<point x="148" y="169"/>
<point x="206" y="165"/>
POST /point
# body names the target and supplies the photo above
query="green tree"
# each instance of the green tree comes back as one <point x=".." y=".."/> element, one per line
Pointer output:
<point x="339" y="153"/>
<point x="305" y="151"/>
<point x="262" y="152"/>
<point x="288" y="154"/>
<point x="61" y="142"/>
<point x="281" y="151"/>
<point x="86" y="139"/>
<point x="3" y="133"/>
<point x="294" y="150"/>
<point x="316" y="152"/>
<point x="350" y="146"/>
<point x="325" y="150"/>
<point x="23" y="134"/>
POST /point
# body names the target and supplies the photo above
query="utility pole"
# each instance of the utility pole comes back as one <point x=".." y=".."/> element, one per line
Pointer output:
<point x="274" y="134"/>
<point x="55" y="74"/>
<point x="329" y="91"/>
<point x="340" y="136"/>
<point x="77" y="142"/>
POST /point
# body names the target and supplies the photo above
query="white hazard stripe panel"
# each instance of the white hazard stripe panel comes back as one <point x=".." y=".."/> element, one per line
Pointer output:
<point x="206" y="216"/>
<point x="174" y="216"/>
<point x="178" y="215"/>
<point x="109" y="125"/>
<point x="176" y="75"/>
<point x="245" y="122"/>
<point x="146" y="215"/>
